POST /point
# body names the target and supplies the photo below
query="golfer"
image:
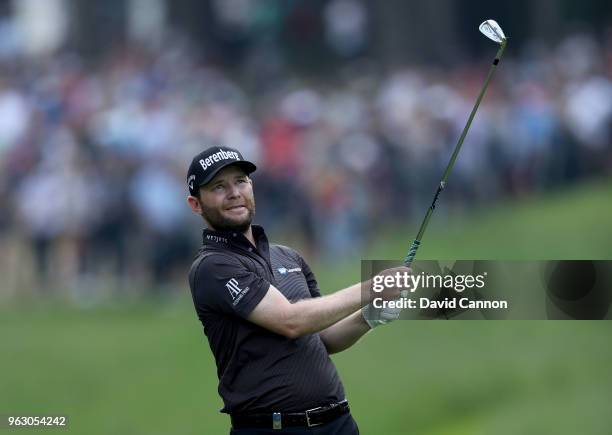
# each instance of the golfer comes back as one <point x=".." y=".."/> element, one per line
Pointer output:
<point x="269" y="328"/>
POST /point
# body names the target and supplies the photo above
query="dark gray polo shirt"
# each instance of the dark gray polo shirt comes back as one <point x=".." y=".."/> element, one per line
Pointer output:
<point x="259" y="370"/>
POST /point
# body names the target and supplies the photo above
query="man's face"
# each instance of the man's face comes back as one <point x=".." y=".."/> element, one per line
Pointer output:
<point x="227" y="202"/>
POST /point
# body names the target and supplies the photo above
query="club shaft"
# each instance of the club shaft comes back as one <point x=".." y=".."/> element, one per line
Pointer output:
<point x="417" y="241"/>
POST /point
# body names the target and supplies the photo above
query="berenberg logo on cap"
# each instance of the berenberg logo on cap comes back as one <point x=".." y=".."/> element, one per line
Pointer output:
<point x="218" y="156"/>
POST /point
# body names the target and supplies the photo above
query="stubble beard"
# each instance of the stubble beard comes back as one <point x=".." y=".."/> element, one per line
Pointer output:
<point x="221" y="223"/>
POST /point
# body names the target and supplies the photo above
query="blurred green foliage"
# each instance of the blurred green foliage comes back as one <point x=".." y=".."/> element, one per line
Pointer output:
<point x="146" y="368"/>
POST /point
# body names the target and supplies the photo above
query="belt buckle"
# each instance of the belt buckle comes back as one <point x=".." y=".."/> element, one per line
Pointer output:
<point x="308" y="417"/>
<point x="277" y="422"/>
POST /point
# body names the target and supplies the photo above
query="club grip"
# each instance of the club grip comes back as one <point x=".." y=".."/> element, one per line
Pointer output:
<point x="412" y="252"/>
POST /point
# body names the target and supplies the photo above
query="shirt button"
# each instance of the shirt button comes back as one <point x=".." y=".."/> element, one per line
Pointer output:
<point x="250" y="249"/>
<point x="234" y="235"/>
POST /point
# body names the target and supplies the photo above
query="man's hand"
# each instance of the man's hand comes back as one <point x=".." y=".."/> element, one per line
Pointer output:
<point x="386" y="314"/>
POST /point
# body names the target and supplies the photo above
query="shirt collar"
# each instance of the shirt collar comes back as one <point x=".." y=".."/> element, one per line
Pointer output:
<point x="235" y="239"/>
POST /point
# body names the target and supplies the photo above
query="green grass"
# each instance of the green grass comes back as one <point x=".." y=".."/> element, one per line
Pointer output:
<point x="570" y="224"/>
<point x="573" y="224"/>
<point x="147" y="369"/>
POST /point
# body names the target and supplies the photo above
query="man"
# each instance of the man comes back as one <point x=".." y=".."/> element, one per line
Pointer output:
<point x="269" y="328"/>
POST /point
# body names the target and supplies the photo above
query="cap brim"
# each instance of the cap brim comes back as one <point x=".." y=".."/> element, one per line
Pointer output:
<point x="245" y="165"/>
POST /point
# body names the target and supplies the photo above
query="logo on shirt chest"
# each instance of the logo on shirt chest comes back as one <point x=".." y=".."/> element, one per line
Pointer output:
<point x="285" y="271"/>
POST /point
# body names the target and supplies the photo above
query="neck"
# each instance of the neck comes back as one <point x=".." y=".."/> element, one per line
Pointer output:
<point x="249" y="235"/>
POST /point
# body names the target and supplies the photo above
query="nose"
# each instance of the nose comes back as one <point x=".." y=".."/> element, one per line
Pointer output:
<point x="233" y="191"/>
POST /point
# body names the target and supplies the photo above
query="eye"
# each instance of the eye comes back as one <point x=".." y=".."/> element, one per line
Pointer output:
<point x="242" y="180"/>
<point x="218" y="187"/>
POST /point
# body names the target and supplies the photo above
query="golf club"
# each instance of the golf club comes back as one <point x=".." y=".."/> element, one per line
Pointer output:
<point x="493" y="31"/>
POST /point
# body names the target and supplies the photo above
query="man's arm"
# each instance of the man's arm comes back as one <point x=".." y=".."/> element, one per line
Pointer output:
<point x="275" y="313"/>
<point x="306" y="316"/>
<point x="345" y="333"/>
<point x="348" y="331"/>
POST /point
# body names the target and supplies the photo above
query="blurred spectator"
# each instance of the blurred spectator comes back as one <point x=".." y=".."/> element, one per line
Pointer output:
<point x="158" y="197"/>
<point x="346" y="26"/>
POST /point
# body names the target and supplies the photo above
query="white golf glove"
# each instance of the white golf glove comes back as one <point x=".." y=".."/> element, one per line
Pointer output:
<point x="386" y="315"/>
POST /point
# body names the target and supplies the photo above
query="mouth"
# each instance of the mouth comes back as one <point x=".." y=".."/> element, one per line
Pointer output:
<point x="235" y="208"/>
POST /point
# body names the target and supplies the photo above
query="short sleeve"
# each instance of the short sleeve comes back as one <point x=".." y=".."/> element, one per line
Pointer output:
<point x="221" y="283"/>
<point x="313" y="286"/>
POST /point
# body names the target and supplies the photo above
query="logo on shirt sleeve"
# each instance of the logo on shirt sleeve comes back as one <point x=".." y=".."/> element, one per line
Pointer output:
<point x="235" y="291"/>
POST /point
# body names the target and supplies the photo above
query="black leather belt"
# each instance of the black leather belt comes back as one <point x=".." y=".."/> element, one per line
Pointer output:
<point x="278" y="420"/>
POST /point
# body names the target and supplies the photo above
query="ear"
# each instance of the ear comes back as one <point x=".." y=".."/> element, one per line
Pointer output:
<point x="194" y="204"/>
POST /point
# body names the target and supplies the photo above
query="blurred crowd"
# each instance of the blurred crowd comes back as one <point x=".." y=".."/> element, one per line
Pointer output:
<point x="93" y="155"/>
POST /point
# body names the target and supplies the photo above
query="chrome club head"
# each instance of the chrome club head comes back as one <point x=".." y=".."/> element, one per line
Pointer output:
<point x="493" y="31"/>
